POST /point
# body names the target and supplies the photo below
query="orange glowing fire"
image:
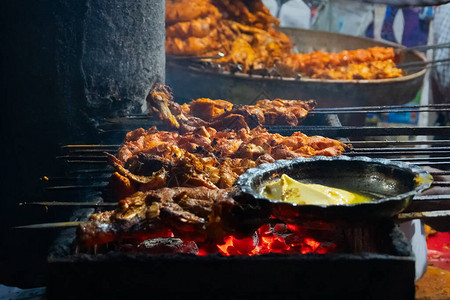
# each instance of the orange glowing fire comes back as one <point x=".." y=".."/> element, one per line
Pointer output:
<point x="280" y="238"/>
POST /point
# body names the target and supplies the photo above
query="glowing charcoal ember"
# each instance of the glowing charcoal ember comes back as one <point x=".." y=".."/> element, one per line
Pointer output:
<point x="312" y="243"/>
<point x="234" y="246"/>
<point x="275" y="239"/>
<point x="202" y="252"/>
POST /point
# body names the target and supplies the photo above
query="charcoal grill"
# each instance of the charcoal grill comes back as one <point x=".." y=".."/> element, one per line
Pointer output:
<point x="384" y="270"/>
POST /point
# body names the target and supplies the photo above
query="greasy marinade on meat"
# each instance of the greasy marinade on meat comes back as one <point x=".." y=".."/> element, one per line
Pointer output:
<point x="223" y="115"/>
<point x="184" y="180"/>
<point x="245" y="33"/>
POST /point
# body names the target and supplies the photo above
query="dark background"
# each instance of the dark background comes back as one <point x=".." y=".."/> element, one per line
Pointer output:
<point x="65" y="65"/>
<point x="33" y="128"/>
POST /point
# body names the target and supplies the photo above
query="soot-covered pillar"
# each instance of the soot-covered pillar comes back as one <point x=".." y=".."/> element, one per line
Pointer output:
<point x="108" y="55"/>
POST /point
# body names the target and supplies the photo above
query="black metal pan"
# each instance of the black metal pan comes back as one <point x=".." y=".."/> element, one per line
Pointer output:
<point x="392" y="184"/>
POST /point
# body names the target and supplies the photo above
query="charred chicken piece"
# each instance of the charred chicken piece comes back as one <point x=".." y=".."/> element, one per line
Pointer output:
<point x="188" y="212"/>
<point x="205" y="158"/>
<point x="223" y="115"/>
<point x="161" y="100"/>
<point x="371" y="63"/>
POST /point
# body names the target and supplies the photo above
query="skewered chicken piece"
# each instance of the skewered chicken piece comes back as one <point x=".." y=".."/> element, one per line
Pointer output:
<point x="151" y="166"/>
<point x="223" y="115"/>
<point x="197" y="214"/>
<point x="372" y="63"/>
<point x="183" y="181"/>
<point x="243" y="31"/>
<point x="208" y="158"/>
<point x="188" y="10"/>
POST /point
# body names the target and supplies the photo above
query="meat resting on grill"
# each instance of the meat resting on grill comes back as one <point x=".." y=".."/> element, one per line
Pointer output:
<point x="154" y="159"/>
<point x="223" y="115"/>
<point x="197" y="214"/>
<point x="183" y="181"/>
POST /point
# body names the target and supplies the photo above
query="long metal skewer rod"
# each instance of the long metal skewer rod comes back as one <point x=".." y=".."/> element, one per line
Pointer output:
<point x="402" y="217"/>
<point x="75" y="178"/>
<point x="441" y="183"/>
<point x="354" y="143"/>
<point x="50" y="225"/>
<point x="397" y="110"/>
<point x="429" y="203"/>
<point x="426" y="47"/>
<point x="113" y="204"/>
<point x="422" y="63"/>
<point x="440" y="173"/>
<point x="409" y="149"/>
<point x="60" y="203"/>
<point x="92" y="151"/>
<point x="359" y="149"/>
<point x="106" y="170"/>
<point x="68" y="157"/>
<point x="90" y="146"/>
<point x="393" y="154"/>
<point x="331" y="109"/>
<point x="75" y="187"/>
<point x="104" y="179"/>
<point x="74" y="161"/>
<point x="382" y="143"/>
<point x="354" y="151"/>
<point x="442" y="105"/>
<point x="353" y="131"/>
<point x="424" y="215"/>
<point x="429" y="159"/>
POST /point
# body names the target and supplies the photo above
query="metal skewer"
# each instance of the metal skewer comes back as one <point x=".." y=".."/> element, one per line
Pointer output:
<point x="424" y="215"/>
<point x="384" y="109"/>
<point x="349" y="131"/>
<point x="401" y="217"/>
<point x="59" y="203"/>
<point x="405" y="110"/>
<point x="50" y="225"/>
<point x="425" y="47"/>
<point x="75" y="187"/>
<point x="395" y="142"/>
<point x="419" y="64"/>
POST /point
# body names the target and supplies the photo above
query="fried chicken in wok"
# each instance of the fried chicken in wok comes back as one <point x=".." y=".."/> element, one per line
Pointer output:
<point x="246" y="34"/>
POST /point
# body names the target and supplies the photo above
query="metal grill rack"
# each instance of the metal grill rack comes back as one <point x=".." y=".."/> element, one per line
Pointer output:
<point x="87" y="174"/>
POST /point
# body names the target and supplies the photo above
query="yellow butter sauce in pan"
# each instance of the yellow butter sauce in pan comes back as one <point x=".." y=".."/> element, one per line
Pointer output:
<point x="289" y="190"/>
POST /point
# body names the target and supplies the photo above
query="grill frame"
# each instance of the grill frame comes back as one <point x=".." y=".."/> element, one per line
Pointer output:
<point x="103" y="274"/>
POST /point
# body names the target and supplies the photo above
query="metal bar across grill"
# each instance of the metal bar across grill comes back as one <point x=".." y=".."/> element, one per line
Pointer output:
<point x="91" y="163"/>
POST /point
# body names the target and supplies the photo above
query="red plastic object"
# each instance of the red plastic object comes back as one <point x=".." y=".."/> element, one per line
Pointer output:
<point x="439" y="250"/>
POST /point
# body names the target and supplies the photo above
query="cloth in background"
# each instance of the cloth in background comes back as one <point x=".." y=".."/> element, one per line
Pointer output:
<point x="293" y="13"/>
<point x="440" y="74"/>
<point x="415" y="233"/>
<point x="345" y="16"/>
<point x="415" y="28"/>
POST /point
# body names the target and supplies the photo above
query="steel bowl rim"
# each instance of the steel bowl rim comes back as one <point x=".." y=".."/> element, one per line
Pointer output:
<point x="425" y="179"/>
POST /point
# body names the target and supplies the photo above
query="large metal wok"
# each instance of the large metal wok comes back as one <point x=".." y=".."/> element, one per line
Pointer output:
<point x="192" y="82"/>
<point x="392" y="184"/>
